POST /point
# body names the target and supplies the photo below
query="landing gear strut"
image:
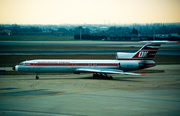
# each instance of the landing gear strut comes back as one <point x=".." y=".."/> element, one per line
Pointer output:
<point x="37" y="77"/>
<point x="101" y="76"/>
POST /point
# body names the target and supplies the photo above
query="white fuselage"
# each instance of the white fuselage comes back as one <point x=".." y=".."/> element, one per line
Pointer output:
<point x="48" y="66"/>
<point x="124" y="62"/>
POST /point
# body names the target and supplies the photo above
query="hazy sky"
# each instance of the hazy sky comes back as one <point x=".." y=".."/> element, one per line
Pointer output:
<point x="88" y="11"/>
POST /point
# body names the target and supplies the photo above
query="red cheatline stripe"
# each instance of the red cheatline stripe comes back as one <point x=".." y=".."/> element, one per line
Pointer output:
<point x="71" y="64"/>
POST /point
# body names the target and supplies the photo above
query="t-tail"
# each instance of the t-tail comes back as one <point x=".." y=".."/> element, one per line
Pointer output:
<point x="147" y="52"/>
<point x="144" y="55"/>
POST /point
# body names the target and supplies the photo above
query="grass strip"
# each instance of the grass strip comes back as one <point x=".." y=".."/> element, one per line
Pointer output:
<point x="36" y="38"/>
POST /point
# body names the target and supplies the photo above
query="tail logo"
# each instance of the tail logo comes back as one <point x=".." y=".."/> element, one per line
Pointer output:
<point x="142" y="54"/>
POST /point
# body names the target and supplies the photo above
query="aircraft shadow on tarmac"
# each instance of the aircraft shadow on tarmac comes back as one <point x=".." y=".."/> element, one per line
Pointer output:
<point x="7" y="88"/>
<point x="131" y="79"/>
<point x="30" y="93"/>
<point x="116" y="79"/>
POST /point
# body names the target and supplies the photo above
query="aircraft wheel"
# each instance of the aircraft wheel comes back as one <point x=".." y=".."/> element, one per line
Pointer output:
<point x="37" y="77"/>
<point x="110" y="77"/>
<point x="106" y="77"/>
<point x="98" y="76"/>
<point x="94" y="75"/>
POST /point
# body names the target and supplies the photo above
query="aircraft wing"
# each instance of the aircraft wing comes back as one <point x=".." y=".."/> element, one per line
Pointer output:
<point x="108" y="71"/>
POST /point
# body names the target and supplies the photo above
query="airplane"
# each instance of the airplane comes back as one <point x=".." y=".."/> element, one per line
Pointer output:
<point x="124" y="62"/>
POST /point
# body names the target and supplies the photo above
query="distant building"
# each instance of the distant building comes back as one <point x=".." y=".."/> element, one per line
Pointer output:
<point x="135" y="39"/>
<point x="174" y="35"/>
<point x="103" y="28"/>
<point x="6" y="32"/>
<point x="162" y="35"/>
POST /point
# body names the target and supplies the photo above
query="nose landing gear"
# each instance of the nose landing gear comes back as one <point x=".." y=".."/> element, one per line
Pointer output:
<point x="37" y="77"/>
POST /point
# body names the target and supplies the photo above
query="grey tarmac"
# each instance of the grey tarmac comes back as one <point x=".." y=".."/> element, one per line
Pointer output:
<point x="71" y="94"/>
<point x="85" y="43"/>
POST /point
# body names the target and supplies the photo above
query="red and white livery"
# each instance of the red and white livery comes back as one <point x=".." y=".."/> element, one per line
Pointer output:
<point x="124" y="62"/>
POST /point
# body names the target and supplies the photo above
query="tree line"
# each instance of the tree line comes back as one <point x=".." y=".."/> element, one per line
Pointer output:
<point x="89" y="30"/>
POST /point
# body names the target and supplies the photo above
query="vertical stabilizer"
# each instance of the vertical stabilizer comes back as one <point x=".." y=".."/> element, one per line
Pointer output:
<point x="148" y="51"/>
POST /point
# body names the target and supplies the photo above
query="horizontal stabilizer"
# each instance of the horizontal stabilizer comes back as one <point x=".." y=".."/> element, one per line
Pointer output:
<point x="159" y="42"/>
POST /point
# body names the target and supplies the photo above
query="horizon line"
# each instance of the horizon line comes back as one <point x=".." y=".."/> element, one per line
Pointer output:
<point x="90" y="23"/>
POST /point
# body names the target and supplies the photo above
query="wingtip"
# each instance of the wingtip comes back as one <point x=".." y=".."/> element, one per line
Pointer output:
<point x="142" y="74"/>
<point x="177" y="41"/>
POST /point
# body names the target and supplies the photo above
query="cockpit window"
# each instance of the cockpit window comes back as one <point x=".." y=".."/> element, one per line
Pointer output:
<point x="21" y="63"/>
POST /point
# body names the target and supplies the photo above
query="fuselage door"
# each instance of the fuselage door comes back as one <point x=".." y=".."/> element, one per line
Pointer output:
<point x="73" y="64"/>
<point x="35" y="66"/>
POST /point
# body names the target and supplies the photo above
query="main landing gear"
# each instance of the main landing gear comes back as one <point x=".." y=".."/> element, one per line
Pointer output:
<point x="101" y="76"/>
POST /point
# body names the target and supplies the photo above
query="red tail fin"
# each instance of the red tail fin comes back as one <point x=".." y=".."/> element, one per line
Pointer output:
<point x="148" y="51"/>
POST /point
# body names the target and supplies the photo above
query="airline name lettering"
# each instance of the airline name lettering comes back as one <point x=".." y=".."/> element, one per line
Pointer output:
<point x="142" y="54"/>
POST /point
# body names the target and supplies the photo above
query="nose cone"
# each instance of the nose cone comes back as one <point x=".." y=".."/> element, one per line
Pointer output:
<point x="13" y="68"/>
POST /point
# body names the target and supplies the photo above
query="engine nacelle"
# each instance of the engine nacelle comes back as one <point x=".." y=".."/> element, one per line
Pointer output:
<point x="128" y="65"/>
